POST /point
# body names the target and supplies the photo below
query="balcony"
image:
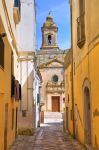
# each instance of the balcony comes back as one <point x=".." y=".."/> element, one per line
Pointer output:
<point x="16" y="11"/>
<point x="80" y="31"/>
<point x="55" y="87"/>
<point x="15" y="88"/>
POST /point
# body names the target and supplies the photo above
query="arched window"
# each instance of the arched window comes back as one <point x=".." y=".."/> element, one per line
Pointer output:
<point x="49" y="39"/>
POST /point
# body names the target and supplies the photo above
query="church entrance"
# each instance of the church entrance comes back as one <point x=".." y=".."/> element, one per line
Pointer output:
<point x="55" y="103"/>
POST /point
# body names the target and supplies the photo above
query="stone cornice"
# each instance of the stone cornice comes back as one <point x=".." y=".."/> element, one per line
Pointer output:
<point x="45" y="65"/>
<point x="26" y="56"/>
<point x="94" y="42"/>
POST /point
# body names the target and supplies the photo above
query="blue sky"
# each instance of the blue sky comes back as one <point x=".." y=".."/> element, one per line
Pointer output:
<point x="61" y="13"/>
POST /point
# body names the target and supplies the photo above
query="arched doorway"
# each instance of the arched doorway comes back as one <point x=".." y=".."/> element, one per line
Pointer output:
<point x="87" y="116"/>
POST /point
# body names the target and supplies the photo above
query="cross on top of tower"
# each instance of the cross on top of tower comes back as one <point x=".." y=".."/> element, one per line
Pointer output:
<point x="50" y="12"/>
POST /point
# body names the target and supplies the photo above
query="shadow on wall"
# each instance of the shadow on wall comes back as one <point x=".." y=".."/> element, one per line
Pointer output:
<point x="25" y="113"/>
<point x="27" y="92"/>
<point x="96" y="144"/>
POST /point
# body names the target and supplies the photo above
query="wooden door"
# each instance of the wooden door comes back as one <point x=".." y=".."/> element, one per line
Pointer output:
<point x="6" y="127"/>
<point x="55" y="104"/>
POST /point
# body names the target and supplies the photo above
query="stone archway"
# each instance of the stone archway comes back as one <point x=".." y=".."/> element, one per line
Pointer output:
<point x="87" y="114"/>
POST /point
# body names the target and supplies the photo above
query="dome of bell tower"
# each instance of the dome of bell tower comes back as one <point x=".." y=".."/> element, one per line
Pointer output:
<point x="49" y="33"/>
<point x="49" y="21"/>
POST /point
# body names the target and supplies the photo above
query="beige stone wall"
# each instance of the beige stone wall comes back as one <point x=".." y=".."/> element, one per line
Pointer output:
<point x="26" y="70"/>
<point x="49" y="101"/>
<point x="47" y="74"/>
<point x="43" y="57"/>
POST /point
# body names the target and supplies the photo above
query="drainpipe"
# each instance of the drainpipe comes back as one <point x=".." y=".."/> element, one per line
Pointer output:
<point x="27" y="84"/>
<point x="72" y="68"/>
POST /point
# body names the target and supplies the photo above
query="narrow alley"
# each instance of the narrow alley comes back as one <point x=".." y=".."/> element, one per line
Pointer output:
<point x="48" y="137"/>
<point x="49" y="69"/>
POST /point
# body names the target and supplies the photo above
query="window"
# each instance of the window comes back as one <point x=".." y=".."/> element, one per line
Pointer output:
<point x="49" y="39"/>
<point x="38" y="98"/>
<point x="81" y="7"/>
<point x="81" y="24"/>
<point x="23" y="113"/>
<point x="16" y="11"/>
<point x="55" y="78"/>
<point x="17" y="4"/>
<point x="20" y="92"/>
<point x="12" y="86"/>
<point x="1" y="52"/>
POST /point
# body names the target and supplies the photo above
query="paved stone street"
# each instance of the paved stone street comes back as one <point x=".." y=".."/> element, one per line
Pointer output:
<point x="48" y="137"/>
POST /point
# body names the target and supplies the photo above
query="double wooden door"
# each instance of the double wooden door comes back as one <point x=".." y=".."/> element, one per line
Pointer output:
<point x="55" y="104"/>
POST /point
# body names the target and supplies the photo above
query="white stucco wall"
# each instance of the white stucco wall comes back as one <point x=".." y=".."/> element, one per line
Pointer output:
<point x="36" y="85"/>
<point x="27" y="26"/>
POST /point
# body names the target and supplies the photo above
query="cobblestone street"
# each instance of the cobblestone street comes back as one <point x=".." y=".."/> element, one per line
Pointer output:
<point x="48" y="137"/>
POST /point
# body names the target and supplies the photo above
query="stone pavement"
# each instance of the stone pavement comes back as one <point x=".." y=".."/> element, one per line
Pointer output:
<point x="48" y="137"/>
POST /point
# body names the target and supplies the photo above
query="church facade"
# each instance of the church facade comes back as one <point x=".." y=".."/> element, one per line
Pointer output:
<point x="50" y="61"/>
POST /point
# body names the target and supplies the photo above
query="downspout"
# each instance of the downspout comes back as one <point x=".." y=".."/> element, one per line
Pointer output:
<point x="27" y="85"/>
<point x="21" y="82"/>
<point x="72" y="68"/>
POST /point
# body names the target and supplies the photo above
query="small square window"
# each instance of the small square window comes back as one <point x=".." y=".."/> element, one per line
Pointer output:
<point x="23" y="113"/>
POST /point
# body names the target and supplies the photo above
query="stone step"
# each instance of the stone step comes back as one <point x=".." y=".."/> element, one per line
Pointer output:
<point x="88" y="147"/>
<point x="53" y="115"/>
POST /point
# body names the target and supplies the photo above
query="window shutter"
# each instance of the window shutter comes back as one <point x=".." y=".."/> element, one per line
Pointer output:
<point x="1" y="52"/>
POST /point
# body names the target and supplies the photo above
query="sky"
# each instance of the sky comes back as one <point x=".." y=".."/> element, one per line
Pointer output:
<point x="61" y="14"/>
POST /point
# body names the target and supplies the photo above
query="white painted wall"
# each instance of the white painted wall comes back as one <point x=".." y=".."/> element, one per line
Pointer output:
<point x="36" y="91"/>
<point x="27" y="32"/>
<point x="26" y="44"/>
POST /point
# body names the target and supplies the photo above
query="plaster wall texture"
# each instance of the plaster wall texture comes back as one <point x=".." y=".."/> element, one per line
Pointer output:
<point x="86" y="62"/>
<point x="27" y="26"/>
<point x="7" y="25"/>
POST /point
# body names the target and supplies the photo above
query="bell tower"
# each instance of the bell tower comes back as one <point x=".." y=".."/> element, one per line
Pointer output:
<point x="49" y="34"/>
